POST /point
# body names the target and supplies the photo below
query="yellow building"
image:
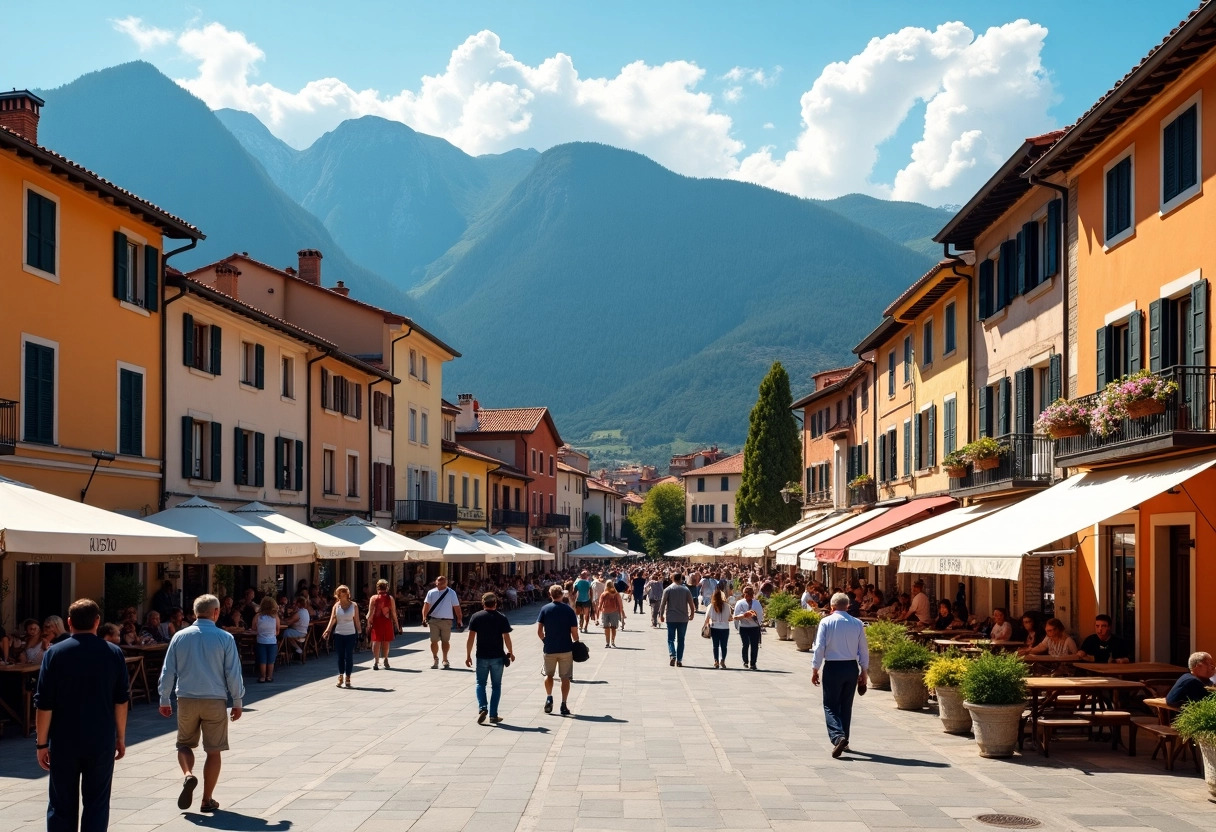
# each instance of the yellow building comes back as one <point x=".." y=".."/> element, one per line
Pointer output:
<point x="80" y="366"/>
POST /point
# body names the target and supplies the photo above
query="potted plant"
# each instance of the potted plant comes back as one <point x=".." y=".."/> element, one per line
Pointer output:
<point x="1197" y="723"/>
<point x="944" y="675"/>
<point x="804" y="624"/>
<point x="955" y="464"/>
<point x="860" y="480"/>
<point x="880" y="636"/>
<point x="779" y="606"/>
<point x="1063" y="418"/>
<point x="985" y="453"/>
<point x="905" y="662"/>
<point x="1141" y="394"/>
<point x="994" y="692"/>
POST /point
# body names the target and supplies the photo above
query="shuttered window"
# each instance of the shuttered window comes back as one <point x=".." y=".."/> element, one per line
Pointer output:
<point x="908" y="448"/>
<point x="39" y="391"/>
<point x="1179" y="155"/>
<point x="1051" y="239"/>
<point x="1118" y="199"/>
<point x="949" y="426"/>
<point x="986" y="289"/>
<point x="130" y="412"/>
<point x="1023" y="389"/>
<point x="1004" y="395"/>
<point x="949" y="333"/>
<point x="40" y="232"/>
<point x="1028" y="257"/>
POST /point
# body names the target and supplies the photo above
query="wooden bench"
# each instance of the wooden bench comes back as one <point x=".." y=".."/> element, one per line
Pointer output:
<point x="1168" y="738"/>
<point x="1115" y="721"/>
<point x="1047" y="727"/>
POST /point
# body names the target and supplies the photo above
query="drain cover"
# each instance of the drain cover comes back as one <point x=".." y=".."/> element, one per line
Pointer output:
<point x="1009" y="821"/>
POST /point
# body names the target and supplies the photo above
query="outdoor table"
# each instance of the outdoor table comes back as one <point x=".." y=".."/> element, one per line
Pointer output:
<point x="1055" y="663"/>
<point x="1044" y="689"/>
<point x="137" y="681"/>
<point x="26" y="674"/>
<point x="924" y="636"/>
<point x="153" y="655"/>
<point x="1139" y="671"/>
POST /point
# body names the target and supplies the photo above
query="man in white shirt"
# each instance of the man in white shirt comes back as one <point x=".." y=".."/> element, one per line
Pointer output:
<point x="918" y="609"/>
<point x="708" y="584"/>
<point x="843" y="655"/>
<point x="597" y="589"/>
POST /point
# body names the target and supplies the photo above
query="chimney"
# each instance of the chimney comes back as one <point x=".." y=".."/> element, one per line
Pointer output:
<point x="226" y="280"/>
<point x="467" y="420"/>
<point x="341" y="289"/>
<point x="19" y="111"/>
<point x="310" y="266"/>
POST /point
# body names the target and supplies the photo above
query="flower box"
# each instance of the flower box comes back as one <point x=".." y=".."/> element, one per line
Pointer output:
<point x="987" y="463"/>
<point x="956" y="472"/>
<point x="1145" y="407"/>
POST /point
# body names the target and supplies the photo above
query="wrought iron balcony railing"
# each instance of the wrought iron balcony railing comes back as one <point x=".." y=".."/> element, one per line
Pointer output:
<point x="509" y="517"/>
<point x="863" y="494"/>
<point x="8" y="427"/>
<point x="1029" y="462"/>
<point x="426" y="511"/>
<point x="557" y="521"/>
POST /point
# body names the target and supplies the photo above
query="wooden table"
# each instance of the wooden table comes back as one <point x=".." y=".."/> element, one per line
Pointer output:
<point x="1044" y="689"/>
<point x="1140" y="671"/>
<point x="924" y="636"/>
<point x="26" y="675"/>
<point x="137" y="679"/>
<point x="153" y="656"/>
<point x="976" y="645"/>
<point x="1042" y="660"/>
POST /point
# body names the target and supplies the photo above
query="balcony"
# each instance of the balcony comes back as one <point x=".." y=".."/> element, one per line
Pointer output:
<point x="507" y="517"/>
<point x="426" y="511"/>
<point x="1187" y="423"/>
<point x="865" y="494"/>
<point x="557" y="521"/>
<point x="8" y="427"/>
<point x="1029" y="463"/>
<point x="818" y="499"/>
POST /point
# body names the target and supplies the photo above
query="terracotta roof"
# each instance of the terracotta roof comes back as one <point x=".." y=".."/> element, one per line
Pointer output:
<point x="173" y="226"/>
<point x="670" y="478"/>
<point x="513" y="420"/>
<point x="942" y="278"/>
<point x="878" y="336"/>
<point x="511" y="471"/>
<point x="730" y="465"/>
<point x="561" y="466"/>
<point x="835" y="387"/>
<point x="1187" y="43"/>
<point x="447" y="407"/>
<point x="633" y="498"/>
<point x="596" y="484"/>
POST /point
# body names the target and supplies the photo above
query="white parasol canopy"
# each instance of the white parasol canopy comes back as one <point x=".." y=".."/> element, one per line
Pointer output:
<point x="328" y="546"/>
<point x="749" y="546"/>
<point x="460" y="547"/>
<point x="595" y="550"/>
<point x="377" y="544"/>
<point x="227" y="538"/>
<point x="527" y="550"/>
<point x="696" y="549"/>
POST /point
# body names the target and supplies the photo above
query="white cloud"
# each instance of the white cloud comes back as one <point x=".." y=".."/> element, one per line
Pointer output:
<point x="733" y="94"/>
<point x="756" y="76"/>
<point x="145" y="37"/>
<point x="768" y="125"/>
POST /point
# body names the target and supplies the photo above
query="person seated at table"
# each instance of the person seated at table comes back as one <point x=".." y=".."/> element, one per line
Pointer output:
<point x="35" y="643"/>
<point x="1002" y="629"/>
<point x="918" y="606"/>
<point x="810" y="598"/>
<point x="1031" y="633"/>
<point x="130" y="614"/>
<point x="1193" y="686"/>
<point x="151" y="632"/>
<point x="111" y="633"/>
<point x="177" y="620"/>
<point x="946" y="619"/>
<point x="318" y="606"/>
<point x="230" y="617"/>
<point x="128" y="634"/>
<point x="248" y="607"/>
<point x="1104" y="646"/>
<point x="295" y="629"/>
<point x="58" y="630"/>
<point x="1057" y="643"/>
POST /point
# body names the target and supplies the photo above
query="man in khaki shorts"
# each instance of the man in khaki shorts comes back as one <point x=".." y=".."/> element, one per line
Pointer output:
<point x="438" y="611"/>
<point x="203" y="667"/>
<point x="557" y="628"/>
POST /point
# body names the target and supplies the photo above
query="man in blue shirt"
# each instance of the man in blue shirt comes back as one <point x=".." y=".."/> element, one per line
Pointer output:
<point x="557" y="628"/>
<point x="82" y="699"/>
<point x="582" y="599"/>
<point x="203" y="666"/>
<point x="1193" y="686"/>
<point x="843" y="655"/>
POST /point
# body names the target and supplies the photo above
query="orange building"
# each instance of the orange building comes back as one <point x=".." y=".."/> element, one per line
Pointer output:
<point x="835" y="438"/>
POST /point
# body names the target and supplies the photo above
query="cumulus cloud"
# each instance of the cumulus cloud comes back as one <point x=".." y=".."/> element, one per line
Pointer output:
<point x="733" y="94"/>
<point x="145" y="37"/>
<point x="756" y="76"/>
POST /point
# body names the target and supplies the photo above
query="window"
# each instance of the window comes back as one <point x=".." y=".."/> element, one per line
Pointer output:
<point x="533" y="454"/>
<point x="424" y="431"/>
<point x="551" y="465"/>
<point x="414" y="363"/>
<point x="1120" y="346"/>
<point x="383" y="486"/>
<point x="1006" y="275"/>
<point x="1180" y="156"/>
<point x="865" y="396"/>
<point x="700" y="483"/>
<point x="288" y="464"/>
<point x="133" y="290"/>
<point x="986" y="290"/>
<point x="287" y="383"/>
<point x="201" y="446"/>
<point x="516" y="499"/>
<point x="1120" y="198"/>
<point x="891" y="374"/>
<point x="253" y="365"/>
<point x="724" y="513"/>
<point x="477" y="494"/>
<point x="130" y="412"/>
<point x="248" y="452"/>
<point x="449" y="428"/>
<point x="924" y="438"/>
<point x="1178" y="328"/>
<point x="1028" y="272"/>
<point x="452" y="489"/>
<point x="907" y="359"/>
<point x="949" y="425"/>
<point x="328" y="485"/>
<point x="426" y="376"/>
<point x="926" y="357"/>
<point x="464" y="491"/>
<point x="341" y="395"/>
<point x="725" y="484"/>
<point x="413" y="424"/>
<point x="38" y="409"/>
<point x="382" y="410"/>
<point x="352" y="475"/>
<point x="41" y="233"/>
<point x="948" y="330"/>
<point x="819" y="479"/>
<point x="201" y="345"/>
<point x="994" y="408"/>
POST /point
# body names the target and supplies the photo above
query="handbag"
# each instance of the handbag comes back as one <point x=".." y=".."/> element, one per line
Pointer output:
<point x="581" y="651"/>
<point x="705" y="628"/>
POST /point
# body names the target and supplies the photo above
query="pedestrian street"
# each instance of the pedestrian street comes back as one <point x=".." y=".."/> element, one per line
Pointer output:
<point x="649" y="746"/>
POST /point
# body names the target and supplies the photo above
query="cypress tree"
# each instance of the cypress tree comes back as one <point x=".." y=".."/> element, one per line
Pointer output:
<point x="772" y="457"/>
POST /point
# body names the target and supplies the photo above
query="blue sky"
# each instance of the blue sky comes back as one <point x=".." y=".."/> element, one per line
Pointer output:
<point x="915" y="100"/>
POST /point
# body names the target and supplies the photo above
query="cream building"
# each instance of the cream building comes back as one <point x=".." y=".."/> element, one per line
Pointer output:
<point x="709" y="500"/>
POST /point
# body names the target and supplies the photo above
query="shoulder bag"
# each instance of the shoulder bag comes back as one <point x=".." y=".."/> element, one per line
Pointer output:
<point x="705" y="628"/>
<point x="437" y="600"/>
<point x="581" y="651"/>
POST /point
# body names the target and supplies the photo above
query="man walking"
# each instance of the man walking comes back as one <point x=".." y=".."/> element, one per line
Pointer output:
<point x="677" y="608"/>
<point x="557" y="628"/>
<point x="582" y="599"/>
<point x="491" y="630"/>
<point x="638" y="590"/>
<point x="654" y="594"/>
<point x="440" y="607"/>
<point x="203" y="667"/>
<point x="82" y="699"/>
<point x="842" y="653"/>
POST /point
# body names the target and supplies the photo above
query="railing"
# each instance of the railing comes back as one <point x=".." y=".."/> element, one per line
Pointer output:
<point x="1029" y="461"/>
<point x="8" y="427"/>
<point x="819" y="498"/>
<point x="509" y="517"/>
<point x="863" y="494"/>
<point x="557" y="521"/>
<point x="426" y="511"/>
<point x="1188" y="411"/>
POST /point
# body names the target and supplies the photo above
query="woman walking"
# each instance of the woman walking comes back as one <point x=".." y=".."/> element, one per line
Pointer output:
<point x="345" y="628"/>
<point x="382" y="622"/>
<point x="611" y="610"/>
<point x="718" y="615"/>
<point x="748" y="617"/>
<point x="267" y="625"/>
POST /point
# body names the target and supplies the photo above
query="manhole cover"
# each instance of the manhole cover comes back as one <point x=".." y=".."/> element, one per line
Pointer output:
<point x="1009" y="821"/>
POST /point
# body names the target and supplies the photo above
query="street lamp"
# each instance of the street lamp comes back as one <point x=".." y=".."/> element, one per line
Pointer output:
<point x="792" y="490"/>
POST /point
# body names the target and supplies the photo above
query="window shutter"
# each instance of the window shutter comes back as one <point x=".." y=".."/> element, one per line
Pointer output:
<point x="133" y="408"/>
<point x="865" y="457"/>
<point x="1009" y="256"/>
<point x="280" y="462"/>
<point x="932" y="430"/>
<point x="259" y="459"/>
<point x="187" y="447"/>
<point x="1199" y="324"/>
<point x="985" y="291"/>
<point x="217" y="339"/>
<point x="1052" y="241"/>
<point x="985" y="411"/>
<point x="1023" y="407"/>
<point x="390" y="485"/>
<point x="907" y="449"/>
<point x="1103" y="354"/>
<point x="299" y="465"/>
<point x="1003" y="396"/>
<point x="1125" y="194"/>
<point x="1169" y="160"/>
<point x="358" y="401"/>
<point x="1135" y="339"/>
<point x="377" y="486"/>
<point x="1112" y="202"/>
<point x="392" y="413"/>
<point x="376" y="412"/>
<point x="120" y="265"/>
<point x="848" y="474"/>
<point x="151" y="279"/>
<point x="1187" y="139"/>
<point x="1154" y="335"/>
<point x="882" y="457"/>
<point x="325" y="388"/>
<point x="1030" y="243"/>
<point x="238" y="457"/>
<point x="918" y="451"/>
<point x="188" y="339"/>
<point x="259" y="366"/>
<point x="1021" y="281"/>
<point x="1056" y="387"/>
<point x="39" y="393"/>
<point x="949" y="420"/>
<point x="217" y="442"/>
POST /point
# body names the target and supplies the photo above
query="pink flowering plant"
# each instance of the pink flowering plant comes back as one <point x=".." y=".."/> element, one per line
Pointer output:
<point x="1061" y="415"/>
<point x="1114" y="400"/>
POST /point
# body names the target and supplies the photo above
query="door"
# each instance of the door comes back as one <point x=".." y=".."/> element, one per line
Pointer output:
<point x="1180" y="594"/>
<point x="194" y="583"/>
<point x="1047" y="586"/>
<point x="42" y="590"/>
<point x="1121" y="560"/>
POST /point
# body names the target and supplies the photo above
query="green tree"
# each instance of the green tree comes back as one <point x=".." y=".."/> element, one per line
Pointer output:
<point x="660" y="520"/>
<point x="633" y="537"/>
<point x="595" y="528"/>
<point x="772" y="457"/>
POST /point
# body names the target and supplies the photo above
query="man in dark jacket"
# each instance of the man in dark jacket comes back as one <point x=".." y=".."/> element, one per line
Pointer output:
<point x="1193" y="686"/>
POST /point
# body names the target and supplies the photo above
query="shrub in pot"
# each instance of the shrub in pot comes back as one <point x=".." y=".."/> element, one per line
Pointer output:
<point x="1197" y="722"/>
<point x="777" y="610"/>
<point x="955" y="464"/>
<point x="944" y="676"/>
<point x="985" y="453"/>
<point x="994" y="692"/>
<point x="880" y="636"/>
<point x="905" y="662"/>
<point x="804" y="623"/>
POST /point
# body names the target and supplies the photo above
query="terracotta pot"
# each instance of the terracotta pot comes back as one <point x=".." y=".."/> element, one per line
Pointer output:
<point x="1065" y="431"/>
<point x="804" y="637"/>
<point x="986" y="464"/>
<point x="908" y="689"/>
<point x="1145" y="407"/>
<point x="956" y="473"/>
<point x="996" y="727"/>
<point x="955" y="718"/>
<point x="1208" y="750"/>
<point x="879" y="680"/>
<point x="783" y="631"/>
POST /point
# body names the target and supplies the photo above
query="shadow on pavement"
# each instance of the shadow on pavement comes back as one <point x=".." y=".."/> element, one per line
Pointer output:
<point x="371" y="690"/>
<point x="604" y="718"/>
<point x="862" y="756"/>
<point x="522" y="729"/>
<point x="588" y="681"/>
<point x="222" y="819"/>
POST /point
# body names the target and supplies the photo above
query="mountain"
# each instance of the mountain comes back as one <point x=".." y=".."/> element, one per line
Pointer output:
<point x="908" y="223"/>
<point x="138" y="128"/>
<point x="397" y="197"/>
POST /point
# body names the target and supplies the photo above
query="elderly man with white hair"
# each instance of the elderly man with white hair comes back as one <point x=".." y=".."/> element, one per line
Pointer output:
<point x="1193" y="686"/>
<point x="843" y="656"/>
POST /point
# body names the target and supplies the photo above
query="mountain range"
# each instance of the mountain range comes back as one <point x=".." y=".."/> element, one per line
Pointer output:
<point x="643" y="307"/>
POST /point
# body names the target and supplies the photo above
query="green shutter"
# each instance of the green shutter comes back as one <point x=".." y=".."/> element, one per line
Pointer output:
<point x="1188" y="128"/>
<point x="1103" y="356"/>
<point x="187" y="447"/>
<point x="1052" y="233"/>
<point x="1199" y="324"/>
<point x="239" y="476"/>
<point x="39" y="394"/>
<point x="151" y="279"/>
<point x="299" y="465"/>
<point x="882" y="457"/>
<point x="1169" y="161"/>
<point x="1021" y="282"/>
<point x="985" y="290"/>
<point x="217" y="338"/>
<point x="1002" y="281"/>
<point x="1009" y="254"/>
<point x="949" y="426"/>
<point x="259" y="459"/>
<point x="40" y="232"/>
<point x="907" y="449"/>
<point x="188" y="339"/>
<point x="985" y="411"/>
<point x="259" y="366"/>
<point x="1055" y="388"/>
<point x="131" y="410"/>
<point x="918" y="450"/>
<point x="1020" y="408"/>
<point x="1003" y="396"/>
<point x="1155" y="322"/>
<point x="217" y="443"/>
<point x="120" y="266"/>
<point x="1030" y="241"/>
<point x="932" y="450"/>
<point x="325" y="388"/>
<point x="1135" y="341"/>
<point x="280" y="462"/>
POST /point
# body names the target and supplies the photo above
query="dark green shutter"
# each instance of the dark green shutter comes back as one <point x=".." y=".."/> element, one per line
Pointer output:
<point x="932" y="450"/>
<point x="865" y="457"/>
<point x="918" y="450"/>
<point x="120" y="266"/>
<point x="1021" y="282"/>
<point x="1135" y="341"/>
<point x="1199" y="324"/>
<point x="151" y="279"/>
<point x="259" y="366"/>
<point x="217" y="443"/>
<point x="187" y="447"/>
<point x="1053" y="236"/>
<point x="1002" y="281"/>
<point x="40" y="232"/>
<point x="1003" y="396"/>
<point x="1155" y="322"/>
<point x="131" y="412"/>
<point x="882" y="457"/>
<point x="1055" y="388"/>
<point x="985" y="411"/>
<point x="908" y="449"/>
<point x="1169" y="161"/>
<point x="1009" y="254"/>
<point x="985" y="290"/>
<point x="216" y="353"/>
<point x="239" y="475"/>
<point x="1019" y="402"/>
<point x="188" y="339"/>
<point x="259" y="459"/>
<point x="1104" y="355"/>
<point x="299" y="465"/>
<point x="325" y="388"/>
<point x="949" y="426"/>
<point x="39" y="394"/>
<point x="1188" y="128"/>
<point x="1030" y="255"/>
<point x="280" y="462"/>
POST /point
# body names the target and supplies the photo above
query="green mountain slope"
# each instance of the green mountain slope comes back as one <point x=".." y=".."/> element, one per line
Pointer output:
<point x="136" y="127"/>
<point x="908" y="223"/>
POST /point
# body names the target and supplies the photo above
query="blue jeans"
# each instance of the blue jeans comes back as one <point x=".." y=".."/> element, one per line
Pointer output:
<point x="719" y="636"/>
<point x="493" y="669"/>
<point x="345" y="647"/>
<point x="675" y="639"/>
<point x="79" y="777"/>
<point x="750" y="636"/>
<point x="839" y="680"/>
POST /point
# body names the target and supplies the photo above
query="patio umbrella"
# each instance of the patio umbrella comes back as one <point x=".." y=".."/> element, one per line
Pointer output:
<point x="234" y="539"/>
<point x="696" y="549"/>
<point x="749" y="546"/>
<point x="595" y="550"/>
<point x="461" y="547"/>
<point x="377" y="543"/>
<point x="328" y="546"/>
<point x="528" y="551"/>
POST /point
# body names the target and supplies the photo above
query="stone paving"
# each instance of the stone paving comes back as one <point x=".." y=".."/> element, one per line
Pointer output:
<point x="649" y="746"/>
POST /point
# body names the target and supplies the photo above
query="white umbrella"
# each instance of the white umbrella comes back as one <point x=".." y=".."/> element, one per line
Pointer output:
<point x="696" y="549"/>
<point x="595" y="550"/>
<point x="39" y="527"/>
<point x="377" y="543"/>
<point x="748" y="546"/>
<point x="328" y="546"/>
<point x="527" y="550"/>
<point x="227" y="538"/>
<point x="461" y="547"/>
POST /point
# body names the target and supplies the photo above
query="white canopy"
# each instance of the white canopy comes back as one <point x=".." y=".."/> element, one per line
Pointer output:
<point x="595" y="550"/>
<point x="806" y="546"/>
<point x="994" y="546"/>
<point x="328" y="546"/>
<point x="748" y="546"/>
<point x="526" y="550"/>
<point x="878" y="551"/>
<point x="803" y="528"/>
<point x="377" y="543"/>
<point x="696" y="549"/>
<point x="460" y="547"/>
<point x="227" y="538"/>
<point x="37" y="526"/>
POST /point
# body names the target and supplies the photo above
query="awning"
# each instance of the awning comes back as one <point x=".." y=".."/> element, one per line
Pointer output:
<point x="328" y="546"/>
<point x="460" y="547"/>
<point x="806" y="547"/>
<point x="878" y="551"/>
<point x="994" y="546"/>
<point x="37" y="526"/>
<point x="595" y="550"/>
<point x="834" y="549"/>
<point x="798" y="529"/>
<point x="378" y="544"/>
<point x="748" y="546"/>
<point x="234" y="539"/>
<point x="787" y="553"/>
<point x="524" y="551"/>
<point x="696" y="549"/>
